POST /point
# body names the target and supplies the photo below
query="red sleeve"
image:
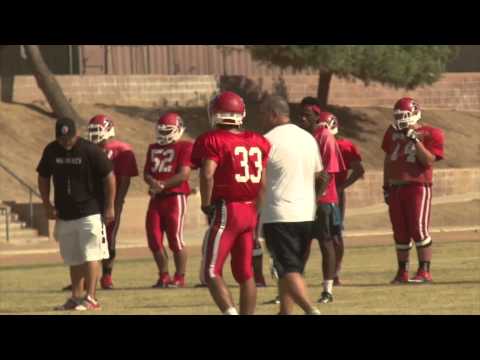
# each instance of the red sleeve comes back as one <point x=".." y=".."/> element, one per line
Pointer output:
<point x="185" y="155"/>
<point x="331" y="156"/>
<point x="127" y="164"/>
<point x="386" y="143"/>
<point x="148" y="165"/>
<point x="205" y="148"/>
<point x="434" y="143"/>
<point x="354" y="153"/>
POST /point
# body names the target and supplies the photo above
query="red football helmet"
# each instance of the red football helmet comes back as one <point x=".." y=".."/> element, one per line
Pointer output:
<point x="169" y="128"/>
<point x="329" y="121"/>
<point x="406" y="112"/>
<point x="226" y="108"/>
<point x="100" y="128"/>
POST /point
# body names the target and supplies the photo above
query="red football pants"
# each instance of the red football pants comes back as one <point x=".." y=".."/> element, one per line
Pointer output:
<point x="166" y="214"/>
<point x="409" y="209"/>
<point x="231" y="232"/>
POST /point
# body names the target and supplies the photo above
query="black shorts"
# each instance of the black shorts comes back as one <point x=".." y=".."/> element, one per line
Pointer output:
<point x="328" y="222"/>
<point x="288" y="243"/>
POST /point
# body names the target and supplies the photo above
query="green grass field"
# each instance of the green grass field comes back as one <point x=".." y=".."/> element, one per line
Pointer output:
<point x="35" y="289"/>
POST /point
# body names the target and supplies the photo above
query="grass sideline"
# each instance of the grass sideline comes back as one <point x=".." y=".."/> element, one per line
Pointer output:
<point x="35" y="289"/>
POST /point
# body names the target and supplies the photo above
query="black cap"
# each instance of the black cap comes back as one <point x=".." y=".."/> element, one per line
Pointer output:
<point x="65" y="127"/>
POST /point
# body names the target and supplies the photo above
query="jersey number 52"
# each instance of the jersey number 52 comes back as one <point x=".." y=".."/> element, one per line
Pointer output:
<point x="162" y="160"/>
<point x="245" y="156"/>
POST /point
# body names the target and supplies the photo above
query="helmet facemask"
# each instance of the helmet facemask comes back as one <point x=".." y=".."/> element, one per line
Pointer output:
<point x="404" y="119"/>
<point x="97" y="133"/>
<point x="167" y="134"/>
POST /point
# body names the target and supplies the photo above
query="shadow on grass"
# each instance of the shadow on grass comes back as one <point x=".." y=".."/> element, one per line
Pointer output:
<point x="353" y="122"/>
<point x="35" y="108"/>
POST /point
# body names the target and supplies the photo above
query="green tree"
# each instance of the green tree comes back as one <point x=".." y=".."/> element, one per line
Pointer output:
<point x="399" y="66"/>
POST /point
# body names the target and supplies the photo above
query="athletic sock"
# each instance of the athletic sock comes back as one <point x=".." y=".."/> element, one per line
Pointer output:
<point x="231" y="311"/>
<point x="403" y="266"/>
<point x="328" y="286"/>
<point x="424" y="265"/>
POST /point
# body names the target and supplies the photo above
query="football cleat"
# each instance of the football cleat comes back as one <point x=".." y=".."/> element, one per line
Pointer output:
<point x="422" y="277"/>
<point x="325" y="298"/>
<point x="70" y="304"/>
<point x="106" y="282"/>
<point x="163" y="282"/>
<point x="178" y="281"/>
<point x="88" y="303"/>
<point x="275" y="301"/>
<point x="400" y="278"/>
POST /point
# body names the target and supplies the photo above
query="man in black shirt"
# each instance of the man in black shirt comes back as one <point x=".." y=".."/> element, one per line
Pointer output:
<point x="84" y="192"/>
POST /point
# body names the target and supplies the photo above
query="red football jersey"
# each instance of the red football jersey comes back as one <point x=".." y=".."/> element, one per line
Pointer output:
<point x="403" y="164"/>
<point x="122" y="157"/>
<point x="164" y="161"/>
<point x="332" y="162"/>
<point x="241" y="157"/>
<point x="350" y="154"/>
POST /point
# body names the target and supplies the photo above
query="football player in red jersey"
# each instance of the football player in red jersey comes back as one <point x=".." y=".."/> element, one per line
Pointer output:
<point x="101" y="131"/>
<point x="327" y="223"/>
<point x="343" y="179"/>
<point x="167" y="170"/>
<point x="411" y="149"/>
<point x="232" y="174"/>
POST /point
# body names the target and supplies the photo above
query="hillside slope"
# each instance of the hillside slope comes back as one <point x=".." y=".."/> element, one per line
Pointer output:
<point x="26" y="129"/>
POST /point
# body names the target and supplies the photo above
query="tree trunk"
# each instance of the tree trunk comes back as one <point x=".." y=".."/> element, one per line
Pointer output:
<point x="6" y="77"/>
<point x="50" y="87"/>
<point x="323" y="90"/>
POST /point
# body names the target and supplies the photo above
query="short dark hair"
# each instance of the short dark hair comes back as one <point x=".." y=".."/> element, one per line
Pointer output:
<point x="277" y="104"/>
<point x="309" y="100"/>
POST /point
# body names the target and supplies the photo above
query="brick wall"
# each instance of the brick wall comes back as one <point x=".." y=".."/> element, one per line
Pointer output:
<point x="131" y="89"/>
<point x="454" y="91"/>
<point x="368" y="191"/>
<point x="459" y="91"/>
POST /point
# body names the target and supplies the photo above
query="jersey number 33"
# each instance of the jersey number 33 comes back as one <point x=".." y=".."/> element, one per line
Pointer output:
<point x="246" y="156"/>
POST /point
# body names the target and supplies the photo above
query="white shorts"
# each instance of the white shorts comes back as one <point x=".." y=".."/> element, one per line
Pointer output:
<point x="82" y="240"/>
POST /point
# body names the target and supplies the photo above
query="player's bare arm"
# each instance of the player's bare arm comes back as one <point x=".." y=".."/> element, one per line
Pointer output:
<point x="182" y="175"/>
<point x="44" y="188"/>
<point x="155" y="185"/>
<point x="357" y="173"/>
<point x="261" y="193"/>
<point x="321" y="182"/>
<point x="122" y="189"/>
<point x="206" y="182"/>
<point x="425" y="157"/>
<point x="109" y="190"/>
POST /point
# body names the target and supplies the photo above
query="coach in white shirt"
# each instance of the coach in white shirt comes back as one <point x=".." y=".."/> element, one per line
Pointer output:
<point x="288" y="204"/>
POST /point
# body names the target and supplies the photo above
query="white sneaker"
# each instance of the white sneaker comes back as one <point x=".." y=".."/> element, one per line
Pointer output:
<point x="70" y="304"/>
<point x="88" y="303"/>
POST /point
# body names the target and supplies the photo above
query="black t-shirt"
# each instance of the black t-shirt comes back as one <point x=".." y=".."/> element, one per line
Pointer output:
<point x="78" y="176"/>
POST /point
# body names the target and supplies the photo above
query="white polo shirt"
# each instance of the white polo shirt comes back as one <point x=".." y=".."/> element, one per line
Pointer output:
<point x="293" y="161"/>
